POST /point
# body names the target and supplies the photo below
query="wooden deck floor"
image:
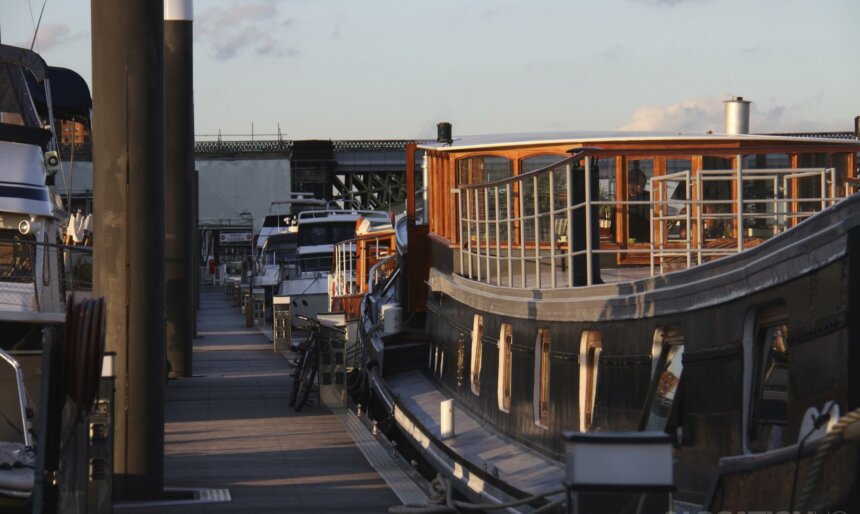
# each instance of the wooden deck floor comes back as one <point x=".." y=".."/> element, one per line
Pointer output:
<point x="230" y="427"/>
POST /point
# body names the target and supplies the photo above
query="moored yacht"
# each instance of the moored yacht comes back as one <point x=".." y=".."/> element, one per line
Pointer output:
<point x="33" y="277"/>
<point x="305" y="286"/>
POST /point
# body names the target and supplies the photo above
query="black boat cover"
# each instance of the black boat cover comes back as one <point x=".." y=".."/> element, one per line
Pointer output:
<point x="69" y="92"/>
<point x="27" y="59"/>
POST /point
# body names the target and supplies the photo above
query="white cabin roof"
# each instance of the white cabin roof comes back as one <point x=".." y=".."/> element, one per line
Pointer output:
<point x="574" y="138"/>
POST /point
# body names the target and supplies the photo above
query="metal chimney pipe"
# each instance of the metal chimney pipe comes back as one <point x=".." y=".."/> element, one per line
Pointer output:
<point x="443" y="133"/>
<point x="856" y="127"/>
<point x="737" y="115"/>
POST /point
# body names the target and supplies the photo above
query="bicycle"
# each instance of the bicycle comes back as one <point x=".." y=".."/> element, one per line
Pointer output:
<point x="302" y="363"/>
<point x="308" y="367"/>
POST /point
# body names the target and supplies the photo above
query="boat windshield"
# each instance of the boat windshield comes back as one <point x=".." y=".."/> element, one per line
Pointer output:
<point x="312" y="234"/>
<point x="17" y="254"/>
<point x="280" y="249"/>
<point x="16" y="104"/>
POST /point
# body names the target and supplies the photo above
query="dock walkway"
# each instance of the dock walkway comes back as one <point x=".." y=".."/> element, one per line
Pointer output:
<point x="230" y="427"/>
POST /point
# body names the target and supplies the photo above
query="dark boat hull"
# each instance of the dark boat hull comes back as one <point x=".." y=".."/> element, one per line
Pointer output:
<point x="811" y="274"/>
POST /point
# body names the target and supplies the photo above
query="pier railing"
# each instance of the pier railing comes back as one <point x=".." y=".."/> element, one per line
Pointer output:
<point x="540" y="229"/>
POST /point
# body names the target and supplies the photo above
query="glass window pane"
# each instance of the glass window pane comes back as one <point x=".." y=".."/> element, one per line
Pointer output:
<point x="770" y="388"/>
<point x="668" y="377"/>
<point x="639" y="173"/>
<point x="476" y="170"/>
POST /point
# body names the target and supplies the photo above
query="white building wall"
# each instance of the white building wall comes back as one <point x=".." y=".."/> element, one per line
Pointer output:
<point x="230" y="187"/>
<point x="227" y="187"/>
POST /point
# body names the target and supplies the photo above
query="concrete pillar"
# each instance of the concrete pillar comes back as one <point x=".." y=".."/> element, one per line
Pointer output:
<point x="178" y="177"/>
<point x="128" y="187"/>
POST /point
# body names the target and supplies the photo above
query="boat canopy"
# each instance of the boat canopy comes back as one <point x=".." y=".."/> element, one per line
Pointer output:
<point x="19" y="120"/>
<point x="23" y="58"/>
<point x="70" y="95"/>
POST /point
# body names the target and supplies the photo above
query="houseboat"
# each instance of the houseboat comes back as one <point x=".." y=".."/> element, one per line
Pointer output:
<point x="703" y="285"/>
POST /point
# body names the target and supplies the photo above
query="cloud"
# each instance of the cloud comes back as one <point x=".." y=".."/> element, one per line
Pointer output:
<point x="668" y="3"/>
<point x="699" y="115"/>
<point x="612" y="52"/>
<point x="495" y="11"/>
<point x="690" y="116"/>
<point x="52" y="35"/>
<point x="240" y="28"/>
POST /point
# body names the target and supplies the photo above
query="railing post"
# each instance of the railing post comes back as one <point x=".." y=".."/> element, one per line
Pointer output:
<point x="688" y="217"/>
<point x="487" y="230"/>
<point x="740" y="202"/>
<point x="510" y="244"/>
<point x="522" y="234"/>
<point x="537" y="229"/>
<point x="588" y="234"/>
<point x="468" y="242"/>
<point x="460" y="211"/>
<point x="552" y="237"/>
<point x="699" y="212"/>
<point x="498" y="241"/>
<point x="478" y="232"/>
<point x="568" y="213"/>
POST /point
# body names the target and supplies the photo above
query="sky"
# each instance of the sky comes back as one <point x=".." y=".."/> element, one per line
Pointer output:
<point x="374" y="69"/>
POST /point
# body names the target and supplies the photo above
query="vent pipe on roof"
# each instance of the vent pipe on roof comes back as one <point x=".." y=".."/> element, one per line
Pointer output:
<point x="737" y="115"/>
<point x="856" y="127"/>
<point x="443" y="133"/>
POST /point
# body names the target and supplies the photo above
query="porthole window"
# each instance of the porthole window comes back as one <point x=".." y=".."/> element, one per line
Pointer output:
<point x="504" y="382"/>
<point x="589" y="364"/>
<point x="541" y="384"/>
<point x="477" y="348"/>
<point x="667" y="356"/>
<point x="769" y="408"/>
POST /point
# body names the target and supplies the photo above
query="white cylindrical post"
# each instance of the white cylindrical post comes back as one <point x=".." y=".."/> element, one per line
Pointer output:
<point x="446" y="423"/>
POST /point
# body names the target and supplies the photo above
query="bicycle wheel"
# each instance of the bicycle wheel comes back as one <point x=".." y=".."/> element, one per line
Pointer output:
<point x="306" y="383"/>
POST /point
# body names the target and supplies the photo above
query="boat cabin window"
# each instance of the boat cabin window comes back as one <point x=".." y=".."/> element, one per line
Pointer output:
<point x="541" y="385"/>
<point x="667" y="355"/>
<point x="639" y="173"/>
<point x="504" y="385"/>
<point x="769" y="389"/>
<point x="589" y="365"/>
<point x="315" y="263"/>
<point x="544" y="202"/>
<point x="477" y="347"/>
<point x="608" y="193"/>
<point x="312" y="234"/>
<point x="475" y="170"/>
<point x="717" y="220"/>
<point x="17" y="254"/>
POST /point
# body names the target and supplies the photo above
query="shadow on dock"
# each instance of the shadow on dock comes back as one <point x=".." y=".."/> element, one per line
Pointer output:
<point x="230" y="427"/>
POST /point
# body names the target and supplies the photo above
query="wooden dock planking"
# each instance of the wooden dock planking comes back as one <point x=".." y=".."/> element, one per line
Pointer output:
<point x="230" y="427"/>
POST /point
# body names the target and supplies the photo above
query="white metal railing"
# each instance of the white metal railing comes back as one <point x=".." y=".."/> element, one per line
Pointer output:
<point x="352" y="261"/>
<point x="528" y="232"/>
